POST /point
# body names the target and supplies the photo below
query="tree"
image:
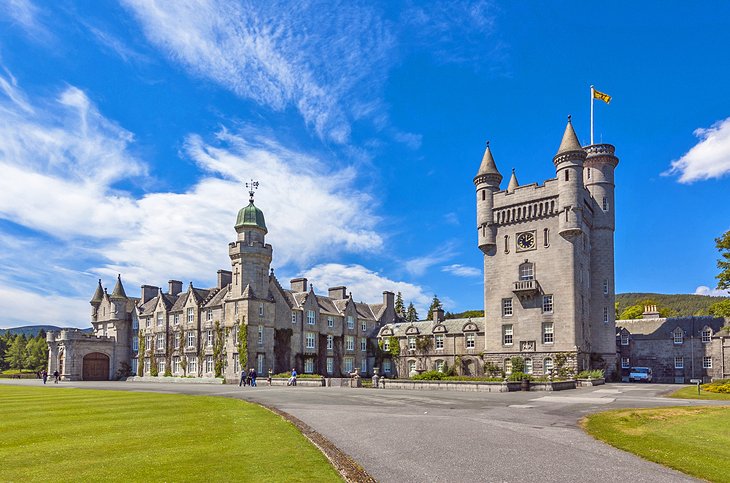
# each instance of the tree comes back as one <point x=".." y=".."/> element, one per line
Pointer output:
<point x="723" y="246"/>
<point x="435" y="304"/>
<point x="411" y="314"/>
<point x="720" y="309"/>
<point x="15" y="355"/>
<point x="400" y="309"/>
<point x="140" y="356"/>
<point x="36" y="354"/>
<point x="242" y="344"/>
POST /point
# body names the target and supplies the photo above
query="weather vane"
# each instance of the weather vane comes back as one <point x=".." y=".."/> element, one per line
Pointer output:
<point x="252" y="186"/>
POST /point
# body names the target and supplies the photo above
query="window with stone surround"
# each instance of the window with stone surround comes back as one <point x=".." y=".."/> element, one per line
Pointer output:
<point x="605" y="314"/>
<point x="678" y="336"/>
<point x="148" y="342"/>
<point x="135" y="343"/>
<point x="528" y="366"/>
<point x="548" y="333"/>
<point x="506" y="244"/>
<point x="624" y="339"/>
<point x="349" y="364"/>
<point x="363" y="345"/>
<point x="135" y="366"/>
<point x="147" y="365"/>
<point x="386" y="367"/>
<point x="546" y="237"/>
<point x="261" y="310"/>
<point x="330" y="342"/>
<point x="547" y="304"/>
<point x="330" y="365"/>
<point x="160" y="319"/>
<point x="507" y="334"/>
<point x="679" y="362"/>
<point x="209" y="364"/>
<point x="507" y="307"/>
<point x="350" y="343"/>
<point x="260" y="363"/>
<point x="364" y="326"/>
<point x="308" y="365"/>
<point x="310" y="340"/>
<point x="411" y="367"/>
<point x="192" y="366"/>
<point x="625" y="363"/>
<point x="176" y="365"/>
<point x="605" y="286"/>
<point x="191" y="338"/>
<point x="191" y="315"/>
<point x="176" y="341"/>
<point x="386" y="344"/>
<point x="439" y="341"/>
<point x="310" y="317"/>
<point x="261" y="335"/>
<point x="527" y="271"/>
<point x="330" y="321"/>
<point x="508" y="366"/>
<point x="209" y="314"/>
<point x="209" y="338"/>
<point x="470" y="340"/>
<point x="411" y="342"/>
<point x="706" y="335"/>
<point x="707" y="362"/>
<point x="350" y="322"/>
<point x="293" y="317"/>
<point x="547" y="364"/>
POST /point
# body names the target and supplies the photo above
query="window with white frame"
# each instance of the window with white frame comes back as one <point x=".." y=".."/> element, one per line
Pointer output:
<point x="678" y="336"/>
<point x="176" y="319"/>
<point x="208" y="363"/>
<point x="293" y="317"/>
<point x="236" y="363"/>
<point x="411" y="342"/>
<point x="309" y="337"/>
<point x="350" y="322"/>
<point x="548" y="364"/>
<point x="161" y="366"/>
<point x="386" y="344"/>
<point x="261" y="310"/>
<point x="330" y="365"/>
<point x="679" y="362"/>
<point x="439" y="365"/>
<point x="310" y="317"/>
<point x="507" y="334"/>
<point x="363" y="344"/>
<point x="364" y="366"/>
<point x="176" y="365"/>
<point x="135" y="322"/>
<point x="508" y="366"/>
<point x="191" y="338"/>
<point x="386" y="367"/>
<point x="192" y="365"/>
<point x="605" y="286"/>
<point x="209" y="315"/>
<point x="191" y="315"/>
<point x="330" y="321"/>
<point x="471" y="340"/>
<point x="261" y="335"/>
<point x="160" y="319"/>
<point x="411" y="367"/>
<point x="176" y="341"/>
<point x="349" y="342"/>
<point x="625" y="363"/>
<point x="439" y="341"/>
<point x="135" y="343"/>
<point x="330" y="342"/>
<point x="547" y="304"/>
<point x="527" y="271"/>
<point x="548" y="333"/>
<point x="706" y="335"/>
<point x="148" y="342"/>
<point x="147" y="365"/>
<point x="528" y="366"/>
<point x="707" y="362"/>
<point x="209" y="338"/>
<point x="308" y="365"/>
<point x="507" y="307"/>
<point x="135" y="366"/>
<point x="364" y="326"/>
<point x="147" y="322"/>
<point x="349" y="364"/>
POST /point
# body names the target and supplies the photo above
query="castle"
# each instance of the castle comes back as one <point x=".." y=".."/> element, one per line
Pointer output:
<point x="203" y="331"/>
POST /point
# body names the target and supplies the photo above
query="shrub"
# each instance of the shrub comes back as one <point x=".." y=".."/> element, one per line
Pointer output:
<point x="594" y="374"/>
<point x="721" y="386"/>
<point x="518" y="364"/>
<point x="519" y="376"/>
<point x="492" y="370"/>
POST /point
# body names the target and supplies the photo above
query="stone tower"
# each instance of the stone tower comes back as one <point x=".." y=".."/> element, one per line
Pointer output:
<point x="250" y="254"/>
<point x="548" y="262"/>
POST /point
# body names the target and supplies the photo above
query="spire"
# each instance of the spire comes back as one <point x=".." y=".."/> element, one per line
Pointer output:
<point x="488" y="166"/>
<point x="98" y="295"/>
<point x="512" y="182"/>
<point x="570" y="140"/>
<point x="118" y="292"/>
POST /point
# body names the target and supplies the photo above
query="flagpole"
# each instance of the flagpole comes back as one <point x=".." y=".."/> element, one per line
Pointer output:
<point x="592" y="114"/>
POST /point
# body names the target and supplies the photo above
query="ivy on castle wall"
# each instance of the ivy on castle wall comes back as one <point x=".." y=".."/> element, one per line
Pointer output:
<point x="219" y="350"/>
<point x="140" y="355"/>
<point x="242" y="343"/>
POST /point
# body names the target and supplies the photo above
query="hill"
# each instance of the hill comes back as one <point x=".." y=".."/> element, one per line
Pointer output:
<point x="32" y="330"/>
<point x="679" y="304"/>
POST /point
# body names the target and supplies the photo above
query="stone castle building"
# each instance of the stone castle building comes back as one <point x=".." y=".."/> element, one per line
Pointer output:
<point x="198" y="331"/>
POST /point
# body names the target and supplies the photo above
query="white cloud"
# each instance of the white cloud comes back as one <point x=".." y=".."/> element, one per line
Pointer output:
<point x="25" y="14"/>
<point x="365" y="285"/>
<point x="32" y="308"/>
<point x="709" y="158"/>
<point x="461" y="270"/>
<point x="279" y="54"/>
<point x="418" y="266"/>
<point x="713" y="292"/>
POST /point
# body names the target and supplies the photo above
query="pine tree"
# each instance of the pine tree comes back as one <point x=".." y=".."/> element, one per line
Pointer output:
<point x="15" y="355"/>
<point x="723" y="246"/>
<point x="400" y="309"/>
<point x="411" y="314"/>
<point x="435" y="304"/>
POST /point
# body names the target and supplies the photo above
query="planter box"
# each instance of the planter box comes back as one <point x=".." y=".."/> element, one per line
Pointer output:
<point x="590" y="382"/>
<point x="464" y="386"/>
<point x="552" y="386"/>
<point x="171" y="380"/>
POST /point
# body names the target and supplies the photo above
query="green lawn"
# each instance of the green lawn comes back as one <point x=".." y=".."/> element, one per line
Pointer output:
<point x="690" y="392"/>
<point x="66" y="434"/>
<point x="692" y="440"/>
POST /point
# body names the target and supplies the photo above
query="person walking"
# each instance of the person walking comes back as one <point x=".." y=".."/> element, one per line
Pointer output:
<point x="268" y="379"/>
<point x="45" y="376"/>
<point x="55" y="377"/>
<point x="293" y="377"/>
<point x="253" y="377"/>
<point x="243" y="377"/>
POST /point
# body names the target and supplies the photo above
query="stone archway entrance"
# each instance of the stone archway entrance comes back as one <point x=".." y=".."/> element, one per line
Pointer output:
<point x="96" y="367"/>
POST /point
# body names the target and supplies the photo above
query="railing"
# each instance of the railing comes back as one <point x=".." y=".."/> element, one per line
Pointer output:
<point x="525" y="286"/>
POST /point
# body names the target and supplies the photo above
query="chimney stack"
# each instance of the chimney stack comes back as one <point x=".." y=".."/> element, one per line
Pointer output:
<point x="174" y="287"/>
<point x="337" y="293"/>
<point x="299" y="284"/>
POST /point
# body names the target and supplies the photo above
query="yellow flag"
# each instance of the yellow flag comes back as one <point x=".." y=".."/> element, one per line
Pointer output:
<point x="600" y="95"/>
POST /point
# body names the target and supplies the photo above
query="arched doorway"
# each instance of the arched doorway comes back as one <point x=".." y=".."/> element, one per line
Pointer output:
<point x="96" y="367"/>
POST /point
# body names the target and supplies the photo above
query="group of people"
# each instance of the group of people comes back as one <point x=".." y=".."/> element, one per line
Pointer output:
<point x="56" y="376"/>
<point x="248" y="378"/>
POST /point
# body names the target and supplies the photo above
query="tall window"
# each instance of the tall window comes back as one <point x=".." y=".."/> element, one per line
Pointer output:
<point x="310" y="317"/>
<point x="507" y="334"/>
<point x="386" y="367"/>
<point x="506" y="244"/>
<point x="411" y="367"/>
<point x="330" y="321"/>
<point x="176" y="319"/>
<point x="260" y="363"/>
<point x="293" y="317"/>
<point x="330" y="365"/>
<point x="604" y="204"/>
<point x="147" y="365"/>
<point x="147" y="322"/>
<point x="508" y="366"/>
<point x="411" y="342"/>
<point x="363" y="345"/>
<point x="350" y="322"/>
<point x="191" y="316"/>
<point x="625" y="363"/>
<point x="547" y="364"/>
<point x="364" y="366"/>
<point x="679" y="362"/>
<point x="261" y="335"/>
<point x="706" y="335"/>
<point x="605" y="314"/>
<point x="349" y="364"/>
<point x="470" y="340"/>
<point x="261" y="310"/>
<point x="236" y="363"/>
<point x="176" y="341"/>
<point x="209" y="315"/>
<point x="605" y="286"/>
<point x="350" y="343"/>
<point x="192" y="365"/>
<point x="439" y="341"/>
<point x="678" y="336"/>
<point x="624" y="339"/>
<point x="527" y="271"/>
<point x="135" y="343"/>
<point x="308" y="365"/>
<point x="235" y="310"/>
<point x="160" y="319"/>
<point x="208" y="363"/>
<point x="707" y="362"/>
<point x="148" y="342"/>
<point x="161" y="366"/>
<point x="176" y="365"/>
<point x="528" y="366"/>
<point x="386" y="344"/>
<point x="506" y="307"/>
<point x="135" y="363"/>
<point x="310" y="340"/>
<point x="330" y="342"/>
<point x="546" y="237"/>
<point x="440" y="365"/>
<point x="547" y="304"/>
<point x="191" y="338"/>
<point x="548" y="334"/>
<point x="209" y="338"/>
<point x="364" y="326"/>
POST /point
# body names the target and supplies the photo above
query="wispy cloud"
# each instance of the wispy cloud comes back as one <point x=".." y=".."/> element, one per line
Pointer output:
<point x="418" y="266"/>
<point x="278" y="54"/>
<point x="709" y="158"/>
<point x="27" y="15"/>
<point x="115" y="45"/>
<point x="461" y="270"/>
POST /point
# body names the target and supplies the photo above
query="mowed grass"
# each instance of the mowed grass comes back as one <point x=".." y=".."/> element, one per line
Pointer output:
<point x="65" y="434"/>
<point x="692" y="440"/>
<point x="691" y="393"/>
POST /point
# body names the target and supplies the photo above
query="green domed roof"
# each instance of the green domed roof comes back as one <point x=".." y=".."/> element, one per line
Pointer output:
<point x="251" y="216"/>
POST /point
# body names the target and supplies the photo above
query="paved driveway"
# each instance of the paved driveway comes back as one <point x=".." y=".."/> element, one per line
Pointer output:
<point x="410" y="436"/>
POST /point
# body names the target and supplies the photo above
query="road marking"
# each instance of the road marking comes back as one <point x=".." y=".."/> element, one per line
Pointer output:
<point x="575" y="399"/>
<point x="607" y="391"/>
<point x="520" y="406"/>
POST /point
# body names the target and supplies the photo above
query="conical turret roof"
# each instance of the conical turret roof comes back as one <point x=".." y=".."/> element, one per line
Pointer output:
<point x="513" y="184"/>
<point x="118" y="292"/>
<point x="488" y="166"/>
<point x="98" y="295"/>
<point x="570" y="140"/>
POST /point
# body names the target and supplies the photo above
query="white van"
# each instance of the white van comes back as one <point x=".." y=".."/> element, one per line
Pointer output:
<point x="640" y="374"/>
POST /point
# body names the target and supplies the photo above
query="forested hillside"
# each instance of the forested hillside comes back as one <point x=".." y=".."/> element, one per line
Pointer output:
<point x="677" y="304"/>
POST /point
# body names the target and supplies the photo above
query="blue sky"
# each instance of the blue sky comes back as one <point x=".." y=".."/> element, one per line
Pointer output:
<point x="127" y="130"/>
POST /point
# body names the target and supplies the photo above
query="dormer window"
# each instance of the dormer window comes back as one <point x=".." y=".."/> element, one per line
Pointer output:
<point x="678" y="336"/>
<point x="706" y="335"/>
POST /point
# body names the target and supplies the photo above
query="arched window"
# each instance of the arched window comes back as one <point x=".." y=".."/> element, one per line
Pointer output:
<point x="547" y="365"/>
<point x="528" y="366"/>
<point x="411" y="367"/>
<point x="527" y="271"/>
<point x="506" y="244"/>
<point x="508" y="366"/>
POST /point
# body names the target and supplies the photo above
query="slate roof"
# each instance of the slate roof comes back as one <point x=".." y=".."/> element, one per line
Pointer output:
<point x="662" y="328"/>
<point x="453" y="326"/>
<point x="217" y="297"/>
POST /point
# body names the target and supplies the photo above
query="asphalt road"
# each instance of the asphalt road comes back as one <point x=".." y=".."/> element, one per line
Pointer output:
<point x="413" y="436"/>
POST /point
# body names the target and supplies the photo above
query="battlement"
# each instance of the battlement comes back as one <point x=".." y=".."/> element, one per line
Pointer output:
<point x="74" y="334"/>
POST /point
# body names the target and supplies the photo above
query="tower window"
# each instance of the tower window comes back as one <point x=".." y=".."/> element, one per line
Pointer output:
<point x="588" y="173"/>
<point x="605" y="286"/>
<point x="567" y="175"/>
<point x="506" y="244"/>
<point x="604" y="204"/>
<point x="484" y="195"/>
<point x="546" y="237"/>
<point x="605" y="314"/>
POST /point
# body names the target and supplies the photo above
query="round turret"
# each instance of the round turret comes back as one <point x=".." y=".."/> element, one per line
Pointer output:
<point x="487" y="183"/>
<point x="250" y="217"/>
<point x="569" y="170"/>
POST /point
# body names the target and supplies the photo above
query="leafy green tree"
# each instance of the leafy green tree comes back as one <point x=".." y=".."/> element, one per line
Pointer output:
<point x="435" y="304"/>
<point x="36" y="354"/>
<point x="400" y="309"/>
<point x="723" y="246"/>
<point x="4" y="340"/>
<point x="15" y="355"/>
<point x="720" y="309"/>
<point x="411" y="314"/>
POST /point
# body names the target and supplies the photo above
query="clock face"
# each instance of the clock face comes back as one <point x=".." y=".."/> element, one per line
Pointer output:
<point x="526" y="241"/>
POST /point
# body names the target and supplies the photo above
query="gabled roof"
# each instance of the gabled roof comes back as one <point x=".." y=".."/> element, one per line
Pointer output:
<point x="218" y="297"/>
<point x="426" y="327"/>
<point x="180" y="302"/>
<point x="363" y="311"/>
<point x="661" y="328"/>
